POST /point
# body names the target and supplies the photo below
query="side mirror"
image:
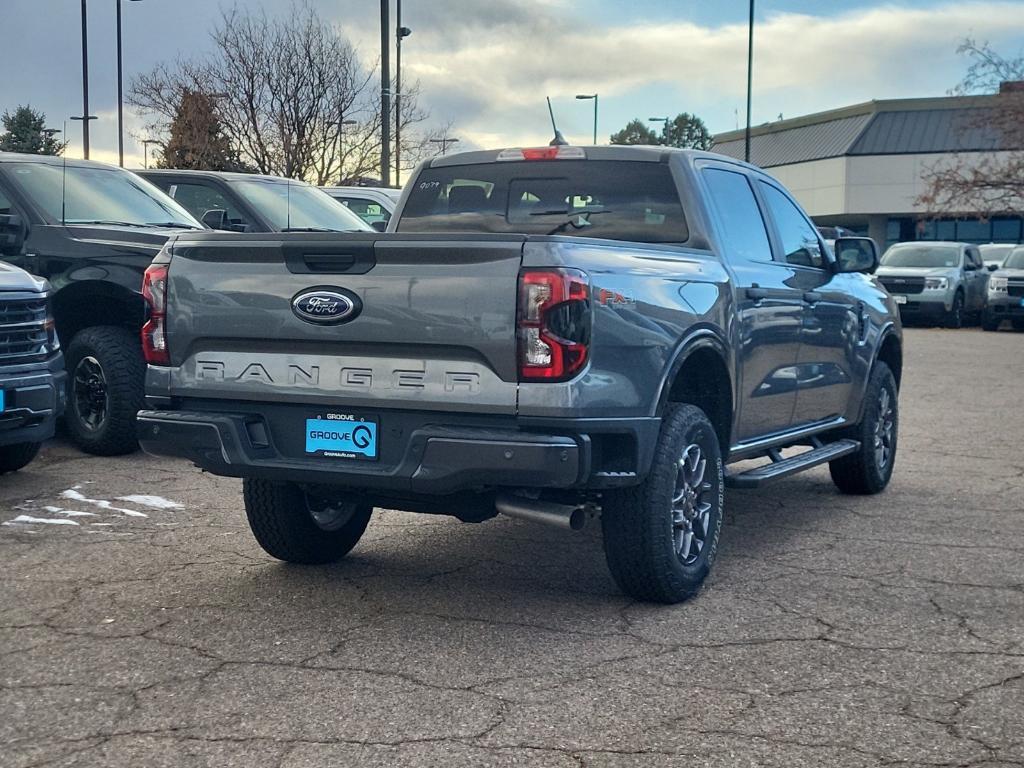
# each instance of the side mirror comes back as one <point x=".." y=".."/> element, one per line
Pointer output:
<point x="856" y="254"/>
<point x="993" y="267"/>
<point x="380" y="226"/>
<point x="12" y="234"/>
<point x="970" y="266"/>
<point x="217" y="218"/>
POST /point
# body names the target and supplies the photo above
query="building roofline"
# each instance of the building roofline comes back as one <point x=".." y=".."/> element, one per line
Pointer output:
<point x="864" y="108"/>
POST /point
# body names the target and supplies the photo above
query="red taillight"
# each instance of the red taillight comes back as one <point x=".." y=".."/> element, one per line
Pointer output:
<point x="553" y="323"/>
<point x="154" y="332"/>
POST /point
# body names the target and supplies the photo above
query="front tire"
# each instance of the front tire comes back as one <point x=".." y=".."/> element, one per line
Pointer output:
<point x="105" y="390"/>
<point x="14" y="457"/>
<point x="661" y="537"/>
<point x="869" y="469"/>
<point x="955" y="316"/>
<point x="989" y="323"/>
<point x="297" y="527"/>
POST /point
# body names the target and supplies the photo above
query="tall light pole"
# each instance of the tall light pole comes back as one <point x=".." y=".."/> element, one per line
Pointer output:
<point x="341" y="147"/>
<point x="663" y="120"/>
<point x="85" y="82"/>
<point x="120" y="96"/>
<point x="750" y="77"/>
<point x="444" y="141"/>
<point x="145" y="151"/>
<point x="585" y="97"/>
<point x="85" y="132"/>
<point x="400" y="32"/>
<point x="385" y="94"/>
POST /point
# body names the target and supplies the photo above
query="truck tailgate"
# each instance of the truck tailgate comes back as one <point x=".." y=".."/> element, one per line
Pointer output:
<point x="435" y="329"/>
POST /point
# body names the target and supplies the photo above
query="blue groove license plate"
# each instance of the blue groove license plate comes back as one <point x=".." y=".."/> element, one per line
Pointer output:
<point x="342" y="437"/>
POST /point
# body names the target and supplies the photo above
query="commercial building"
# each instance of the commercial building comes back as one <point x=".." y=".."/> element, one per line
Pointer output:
<point x="861" y="166"/>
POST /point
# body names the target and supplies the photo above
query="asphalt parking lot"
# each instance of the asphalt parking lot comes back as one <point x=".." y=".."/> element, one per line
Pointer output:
<point x="835" y="631"/>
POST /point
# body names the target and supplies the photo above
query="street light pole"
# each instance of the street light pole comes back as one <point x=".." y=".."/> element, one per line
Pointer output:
<point x="584" y="97"/>
<point x="120" y="88"/>
<point x="145" y="151"/>
<point x="750" y="76"/>
<point x="663" y="120"/>
<point x="444" y="141"/>
<point x="341" y="147"/>
<point x="85" y="81"/>
<point x="400" y="32"/>
<point x="385" y="94"/>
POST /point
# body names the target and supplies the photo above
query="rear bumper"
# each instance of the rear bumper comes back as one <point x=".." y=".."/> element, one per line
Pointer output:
<point x="34" y="396"/>
<point x="424" y="457"/>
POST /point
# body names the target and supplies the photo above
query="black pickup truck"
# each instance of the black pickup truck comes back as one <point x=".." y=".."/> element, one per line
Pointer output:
<point x="91" y="230"/>
<point x="550" y="333"/>
<point x="31" y="367"/>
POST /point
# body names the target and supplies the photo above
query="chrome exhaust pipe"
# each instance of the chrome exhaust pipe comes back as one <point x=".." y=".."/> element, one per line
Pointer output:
<point x="547" y="512"/>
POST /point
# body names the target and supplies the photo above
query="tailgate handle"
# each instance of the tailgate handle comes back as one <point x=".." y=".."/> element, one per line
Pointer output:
<point x="328" y="262"/>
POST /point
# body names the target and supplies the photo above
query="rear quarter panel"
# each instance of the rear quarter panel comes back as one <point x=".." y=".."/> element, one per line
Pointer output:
<point x="648" y="302"/>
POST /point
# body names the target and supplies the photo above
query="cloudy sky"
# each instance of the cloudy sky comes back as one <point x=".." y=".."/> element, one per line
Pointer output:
<point x="486" y="65"/>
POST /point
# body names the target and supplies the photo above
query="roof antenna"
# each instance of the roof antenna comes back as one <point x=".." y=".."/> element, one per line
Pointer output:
<point x="559" y="140"/>
<point x="288" y="208"/>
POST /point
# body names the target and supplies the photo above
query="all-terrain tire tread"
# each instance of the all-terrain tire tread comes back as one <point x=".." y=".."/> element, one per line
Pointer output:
<point x="856" y="473"/>
<point x="284" y="529"/>
<point x="641" y="567"/>
<point x="120" y="354"/>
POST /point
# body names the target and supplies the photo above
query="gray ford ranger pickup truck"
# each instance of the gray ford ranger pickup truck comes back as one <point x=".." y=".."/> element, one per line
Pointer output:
<point x="556" y="334"/>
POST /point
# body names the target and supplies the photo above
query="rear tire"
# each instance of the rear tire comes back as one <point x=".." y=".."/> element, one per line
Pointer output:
<point x="14" y="457"/>
<point x="869" y="470"/>
<point x="955" y="316"/>
<point x="106" y="374"/>
<point x="295" y="527"/>
<point x="661" y="537"/>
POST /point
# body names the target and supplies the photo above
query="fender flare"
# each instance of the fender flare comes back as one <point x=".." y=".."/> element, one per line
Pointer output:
<point x="697" y="339"/>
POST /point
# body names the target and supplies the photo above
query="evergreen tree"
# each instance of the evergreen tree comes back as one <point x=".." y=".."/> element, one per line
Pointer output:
<point x="25" y="131"/>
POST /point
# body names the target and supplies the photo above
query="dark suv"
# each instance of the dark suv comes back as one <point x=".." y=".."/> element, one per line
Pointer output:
<point x="31" y="368"/>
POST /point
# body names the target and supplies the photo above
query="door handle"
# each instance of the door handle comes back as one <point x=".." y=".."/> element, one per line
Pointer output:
<point x="812" y="297"/>
<point x="756" y="293"/>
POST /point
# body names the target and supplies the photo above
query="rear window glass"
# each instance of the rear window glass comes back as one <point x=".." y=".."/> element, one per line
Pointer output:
<point x="632" y="201"/>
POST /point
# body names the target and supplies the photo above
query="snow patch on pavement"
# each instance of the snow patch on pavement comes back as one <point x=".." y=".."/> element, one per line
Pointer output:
<point x="29" y="520"/>
<point x="159" y="502"/>
<point x="75" y="495"/>
<point x="68" y="512"/>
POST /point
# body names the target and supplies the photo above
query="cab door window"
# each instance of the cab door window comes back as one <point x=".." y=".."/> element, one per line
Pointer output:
<point x="197" y="199"/>
<point x="799" y="238"/>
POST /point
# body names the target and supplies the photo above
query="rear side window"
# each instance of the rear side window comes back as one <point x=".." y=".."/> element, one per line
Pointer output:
<point x="632" y="201"/>
<point x="743" y="227"/>
<point x="799" y="238"/>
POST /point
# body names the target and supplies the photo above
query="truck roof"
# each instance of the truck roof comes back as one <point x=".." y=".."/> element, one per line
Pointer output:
<point x="229" y="175"/>
<point x="634" y="152"/>
<point x="24" y="157"/>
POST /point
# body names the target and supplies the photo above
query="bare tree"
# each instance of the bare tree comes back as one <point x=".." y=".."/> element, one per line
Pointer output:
<point x="284" y="89"/>
<point x="987" y="178"/>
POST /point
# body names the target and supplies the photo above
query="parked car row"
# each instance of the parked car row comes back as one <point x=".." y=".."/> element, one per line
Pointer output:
<point x="953" y="283"/>
<point x="91" y="230"/>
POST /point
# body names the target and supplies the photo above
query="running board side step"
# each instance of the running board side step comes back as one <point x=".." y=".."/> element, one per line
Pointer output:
<point x="781" y="467"/>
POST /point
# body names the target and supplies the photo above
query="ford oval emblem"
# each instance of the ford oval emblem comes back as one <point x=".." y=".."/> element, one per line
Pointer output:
<point x="326" y="306"/>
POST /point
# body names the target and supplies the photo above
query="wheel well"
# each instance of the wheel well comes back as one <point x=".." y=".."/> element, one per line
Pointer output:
<point x="83" y="305"/>
<point x="704" y="381"/>
<point x="891" y="354"/>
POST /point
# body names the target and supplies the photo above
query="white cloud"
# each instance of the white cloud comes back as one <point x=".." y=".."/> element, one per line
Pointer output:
<point x="492" y="86"/>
